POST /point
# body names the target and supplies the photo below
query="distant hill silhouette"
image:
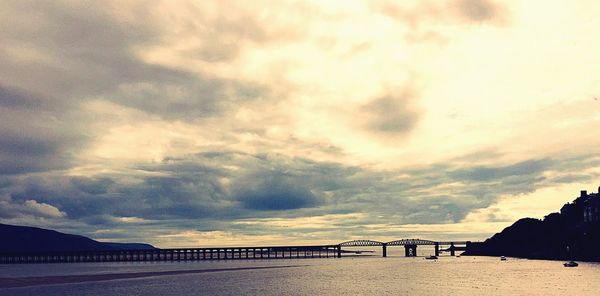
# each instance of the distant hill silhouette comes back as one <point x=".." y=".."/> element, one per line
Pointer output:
<point x="32" y="239"/>
<point x="572" y="234"/>
<point x="130" y="246"/>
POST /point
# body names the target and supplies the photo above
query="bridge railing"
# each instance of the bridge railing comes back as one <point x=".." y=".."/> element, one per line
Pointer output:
<point x="404" y="242"/>
<point x="362" y="243"/>
<point x="182" y="254"/>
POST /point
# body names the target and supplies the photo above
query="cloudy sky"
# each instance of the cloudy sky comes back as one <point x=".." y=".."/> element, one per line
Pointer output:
<point x="198" y="123"/>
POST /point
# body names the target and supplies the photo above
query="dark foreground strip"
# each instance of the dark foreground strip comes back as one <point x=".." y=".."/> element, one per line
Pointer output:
<point x="69" y="279"/>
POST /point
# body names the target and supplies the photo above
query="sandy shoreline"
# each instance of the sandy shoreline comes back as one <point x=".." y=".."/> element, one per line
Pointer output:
<point x="68" y="279"/>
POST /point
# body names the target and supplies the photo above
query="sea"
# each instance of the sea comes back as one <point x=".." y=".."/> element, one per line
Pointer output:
<point x="351" y="275"/>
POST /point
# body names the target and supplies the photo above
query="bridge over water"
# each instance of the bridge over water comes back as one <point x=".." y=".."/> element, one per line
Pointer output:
<point x="227" y="253"/>
<point x="410" y="245"/>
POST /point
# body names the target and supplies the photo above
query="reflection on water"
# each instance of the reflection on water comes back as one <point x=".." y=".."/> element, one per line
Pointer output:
<point x="364" y="275"/>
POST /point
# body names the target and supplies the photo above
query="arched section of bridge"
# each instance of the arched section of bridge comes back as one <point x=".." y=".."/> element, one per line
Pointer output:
<point x="361" y="243"/>
<point x="411" y="241"/>
<point x="410" y="245"/>
<point x="365" y="243"/>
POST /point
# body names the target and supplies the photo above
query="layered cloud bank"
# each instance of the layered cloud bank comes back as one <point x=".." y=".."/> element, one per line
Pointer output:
<point x="224" y="122"/>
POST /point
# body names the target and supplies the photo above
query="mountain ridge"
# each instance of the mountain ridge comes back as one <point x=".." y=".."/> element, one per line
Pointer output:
<point x="34" y="239"/>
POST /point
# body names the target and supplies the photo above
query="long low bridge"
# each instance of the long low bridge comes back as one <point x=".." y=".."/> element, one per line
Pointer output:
<point x="225" y="253"/>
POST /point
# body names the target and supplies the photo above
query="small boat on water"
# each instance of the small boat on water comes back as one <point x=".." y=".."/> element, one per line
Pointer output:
<point x="431" y="257"/>
<point x="571" y="264"/>
<point x="502" y="258"/>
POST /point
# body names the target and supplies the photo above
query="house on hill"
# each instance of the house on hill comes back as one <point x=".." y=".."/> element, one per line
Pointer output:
<point x="591" y="208"/>
<point x="584" y="209"/>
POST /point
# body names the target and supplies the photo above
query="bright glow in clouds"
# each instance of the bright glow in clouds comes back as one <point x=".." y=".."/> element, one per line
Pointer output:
<point x="185" y="123"/>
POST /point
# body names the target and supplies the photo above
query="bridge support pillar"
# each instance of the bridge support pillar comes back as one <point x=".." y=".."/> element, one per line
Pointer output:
<point x="410" y="250"/>
<point x="437" y="249"/>
<point x="384" y="247"/>
<point x="339" y="251"/>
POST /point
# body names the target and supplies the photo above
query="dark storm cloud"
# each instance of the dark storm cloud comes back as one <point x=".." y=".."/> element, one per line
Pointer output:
<point x="85" y="49"/>
<point x="273" y="191"/>
<point x="390" y="114"/>
<point x="572" y="178"/>
<point x="75" y="51"/>
<point x="94" y="186"/>
<point x="188" y="188"/>
<point x="175" y="194"/>
<point x="13" y="98"/>
<point x="57" y="55"/>
<point x="213" y="190"/>
<point x="23" y="154"/>
<point x="189" y="97"/>
<point x="34" y="134"/>
<point x="524" y="168"/>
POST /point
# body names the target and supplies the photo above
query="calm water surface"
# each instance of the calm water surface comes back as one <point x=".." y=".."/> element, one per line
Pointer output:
<point x="358" y="276"/>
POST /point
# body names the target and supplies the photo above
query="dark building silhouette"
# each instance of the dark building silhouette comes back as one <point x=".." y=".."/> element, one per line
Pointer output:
<point x="585" y="209"/>
<point x="591" y="208"/>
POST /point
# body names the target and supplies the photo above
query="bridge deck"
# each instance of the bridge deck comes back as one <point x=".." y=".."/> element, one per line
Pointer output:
<point x="178" y="254"/>
<point x="222" y="253"/>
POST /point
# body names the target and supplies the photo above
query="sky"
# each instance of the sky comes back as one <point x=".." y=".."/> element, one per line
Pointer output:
<point x="206" y="123"/>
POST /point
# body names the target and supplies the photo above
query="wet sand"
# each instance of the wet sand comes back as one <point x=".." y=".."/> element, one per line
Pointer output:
<point x="69" y="279"/>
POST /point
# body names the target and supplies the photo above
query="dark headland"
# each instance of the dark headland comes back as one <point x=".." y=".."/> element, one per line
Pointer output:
<point x="32" y="239"/>
<point x="572" y="234"/>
